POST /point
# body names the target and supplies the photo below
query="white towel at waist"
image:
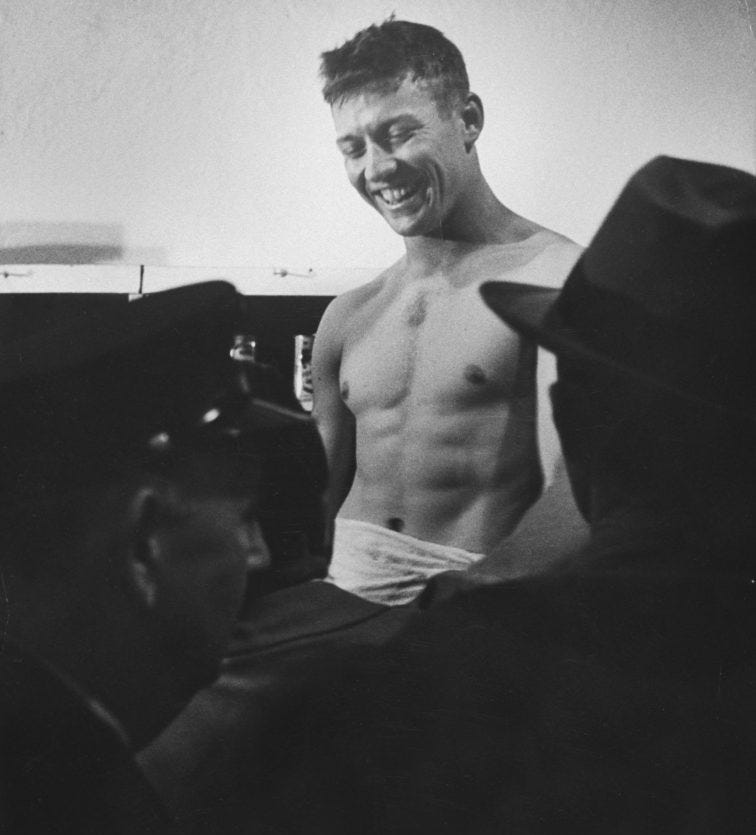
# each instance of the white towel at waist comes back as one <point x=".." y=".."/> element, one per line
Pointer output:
<point x="388" y="567"/>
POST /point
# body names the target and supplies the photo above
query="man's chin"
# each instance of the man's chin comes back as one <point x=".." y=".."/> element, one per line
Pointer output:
<point x="417" y="231"/>
<point x="416" y="220"/>
<point x="409" y="226"/>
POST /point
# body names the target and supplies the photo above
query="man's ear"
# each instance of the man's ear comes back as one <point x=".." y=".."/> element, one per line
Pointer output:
<point x="147" y="506"/>
<point x="472" y="119"/>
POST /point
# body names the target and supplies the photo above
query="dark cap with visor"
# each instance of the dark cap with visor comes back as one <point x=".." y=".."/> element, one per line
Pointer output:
<point x="127" y="387"/>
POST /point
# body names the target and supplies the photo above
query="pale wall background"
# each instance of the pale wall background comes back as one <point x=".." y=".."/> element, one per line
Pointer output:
<point x="191" y="132"/>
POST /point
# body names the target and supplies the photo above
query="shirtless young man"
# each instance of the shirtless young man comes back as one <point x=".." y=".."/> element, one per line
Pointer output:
<point x="427" y="407"/>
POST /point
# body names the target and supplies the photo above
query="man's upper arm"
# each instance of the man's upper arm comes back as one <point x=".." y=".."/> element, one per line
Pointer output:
<point x="556" y="268"/>
<point x="334" y="420"/>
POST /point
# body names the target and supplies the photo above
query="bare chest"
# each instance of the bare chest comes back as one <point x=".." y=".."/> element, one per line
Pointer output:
<point x="440" y="350"/>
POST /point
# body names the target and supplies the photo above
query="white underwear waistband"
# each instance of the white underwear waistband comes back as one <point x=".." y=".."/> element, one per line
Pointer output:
<point x="388" y="567"/>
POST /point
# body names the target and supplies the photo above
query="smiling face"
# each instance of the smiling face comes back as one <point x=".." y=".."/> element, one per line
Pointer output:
<point x="409" y="160"/>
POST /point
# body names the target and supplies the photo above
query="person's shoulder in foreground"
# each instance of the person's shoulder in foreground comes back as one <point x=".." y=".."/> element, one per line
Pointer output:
<point x="213" y="765"/>
<point x="614" y="694"/>
<point x="293" y="630"/>
<point x="129" y="471"/>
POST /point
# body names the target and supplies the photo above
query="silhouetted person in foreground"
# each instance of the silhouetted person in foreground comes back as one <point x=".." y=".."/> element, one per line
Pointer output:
<point x="294" y="629"/>
<point x="132" y="453"/>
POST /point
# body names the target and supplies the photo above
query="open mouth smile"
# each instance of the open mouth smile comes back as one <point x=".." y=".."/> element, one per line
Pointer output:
<point x="398" y="196"/>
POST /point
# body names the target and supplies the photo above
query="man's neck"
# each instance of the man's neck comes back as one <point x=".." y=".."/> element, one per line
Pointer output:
<point x="482" y="220"/>
<point x="430" y="255"/>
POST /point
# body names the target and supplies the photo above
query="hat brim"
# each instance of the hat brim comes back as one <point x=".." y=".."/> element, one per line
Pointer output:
<point x="530" y="310"/>
<point x="522" y="306"/>
<point x="265" y="414"/>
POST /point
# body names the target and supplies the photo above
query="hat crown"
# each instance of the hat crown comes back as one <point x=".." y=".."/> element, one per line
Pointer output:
<point x="667" y="287"/>
<point x="665" y="294"/>
<point x="681" y="241"/>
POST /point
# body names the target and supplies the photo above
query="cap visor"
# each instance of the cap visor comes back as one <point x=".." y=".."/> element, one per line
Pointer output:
<point x="264" y="414"/>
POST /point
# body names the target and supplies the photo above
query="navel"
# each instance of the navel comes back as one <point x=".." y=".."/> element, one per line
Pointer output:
<point x="395" y="524"/>
<point x="474" y="374"/>
<point x="345" y="390"/>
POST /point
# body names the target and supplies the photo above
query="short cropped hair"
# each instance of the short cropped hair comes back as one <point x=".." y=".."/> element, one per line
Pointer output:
<point x="384" y="55"/>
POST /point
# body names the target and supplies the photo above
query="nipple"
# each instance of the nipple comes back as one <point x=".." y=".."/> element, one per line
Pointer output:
<point x="474" y="374"/>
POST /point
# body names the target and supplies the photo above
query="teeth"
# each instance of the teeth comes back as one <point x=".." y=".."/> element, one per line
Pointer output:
<point x="396" y="195"/>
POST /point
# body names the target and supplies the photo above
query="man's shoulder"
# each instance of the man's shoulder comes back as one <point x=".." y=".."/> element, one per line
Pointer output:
<point x="355" y="298"/>
<point x="555" y="256"/>
<point x="534" y="255"/>
<point x="341" y="314"/>
<point x="64" y="759"/>
<point x="344" y="316"/>
<point x="558" y="242"/>
<point x="312" y="614"/>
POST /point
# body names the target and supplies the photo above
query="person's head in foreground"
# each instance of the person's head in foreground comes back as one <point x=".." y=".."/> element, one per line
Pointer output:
<point x="406" y="124"/>
<point x="655" y="335"/>
<point x="134" y="452"/>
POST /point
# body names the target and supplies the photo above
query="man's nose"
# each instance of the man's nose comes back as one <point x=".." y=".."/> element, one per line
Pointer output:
<point x="378" y="163"/>
<point x="255" y="547"/>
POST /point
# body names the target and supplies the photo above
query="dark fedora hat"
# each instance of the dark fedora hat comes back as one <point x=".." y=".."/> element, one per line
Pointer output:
<point x="665" y="294"/>
<point x="140" y="381"/>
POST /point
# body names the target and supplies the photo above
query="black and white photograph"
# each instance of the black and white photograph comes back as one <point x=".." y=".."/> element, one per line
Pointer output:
<point x="377" y="417"/>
